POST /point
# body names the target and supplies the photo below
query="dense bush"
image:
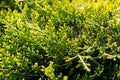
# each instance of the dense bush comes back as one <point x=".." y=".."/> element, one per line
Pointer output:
<point x="60" y="40"/>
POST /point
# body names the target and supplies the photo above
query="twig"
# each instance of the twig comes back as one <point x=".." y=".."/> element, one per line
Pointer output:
<point x="84" y="64"/>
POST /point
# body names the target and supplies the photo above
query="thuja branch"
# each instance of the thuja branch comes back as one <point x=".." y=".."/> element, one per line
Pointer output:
<point x="84" y="64"/>
<point x="81" y="59"/>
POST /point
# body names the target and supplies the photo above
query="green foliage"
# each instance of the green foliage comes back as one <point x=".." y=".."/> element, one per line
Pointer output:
<point x="60" y="40"/>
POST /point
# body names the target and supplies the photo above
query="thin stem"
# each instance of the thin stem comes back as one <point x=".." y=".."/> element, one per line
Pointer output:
<point x="84" y="64"/>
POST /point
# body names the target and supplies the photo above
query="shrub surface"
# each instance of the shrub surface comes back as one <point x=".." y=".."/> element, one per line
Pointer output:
<point x="60" y="40"/>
